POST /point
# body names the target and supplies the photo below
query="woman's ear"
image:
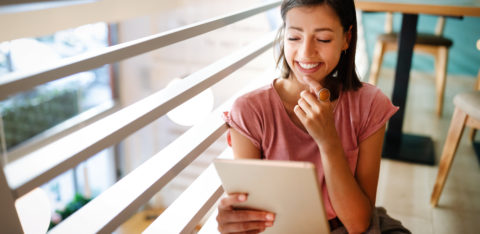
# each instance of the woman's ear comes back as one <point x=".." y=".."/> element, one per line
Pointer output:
<point x="348" y="38"/>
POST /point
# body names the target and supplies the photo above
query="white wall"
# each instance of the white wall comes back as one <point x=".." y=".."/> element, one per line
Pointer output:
<point x="151" y="72"/>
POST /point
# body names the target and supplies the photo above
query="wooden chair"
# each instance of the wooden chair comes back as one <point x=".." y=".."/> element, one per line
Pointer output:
<point x="467" y="113"/>
<point x="433" y="44"/>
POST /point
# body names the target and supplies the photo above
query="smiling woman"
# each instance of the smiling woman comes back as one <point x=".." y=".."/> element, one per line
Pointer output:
<point x="341" y="135"/>
<point x="335" y="36"/>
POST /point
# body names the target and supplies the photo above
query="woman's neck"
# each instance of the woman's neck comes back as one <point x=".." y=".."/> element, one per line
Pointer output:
<point x="289" y="90"/>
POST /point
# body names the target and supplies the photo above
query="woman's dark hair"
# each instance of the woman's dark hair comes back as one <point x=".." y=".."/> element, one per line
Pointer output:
<point x="347" y="78"/>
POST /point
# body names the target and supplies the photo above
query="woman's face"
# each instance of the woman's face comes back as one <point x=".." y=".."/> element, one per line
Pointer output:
<point x="314" y="40"/>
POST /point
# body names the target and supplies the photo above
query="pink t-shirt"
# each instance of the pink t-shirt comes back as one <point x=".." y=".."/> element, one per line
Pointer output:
<point x="261" y="117"/>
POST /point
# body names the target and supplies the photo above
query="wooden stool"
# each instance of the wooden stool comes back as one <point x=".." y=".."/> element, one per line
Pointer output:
<point x="467" y="113"/>
<point x="433" y="44"/>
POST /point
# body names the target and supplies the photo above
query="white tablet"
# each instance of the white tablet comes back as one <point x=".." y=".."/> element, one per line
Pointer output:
<point x="288" y="189"/>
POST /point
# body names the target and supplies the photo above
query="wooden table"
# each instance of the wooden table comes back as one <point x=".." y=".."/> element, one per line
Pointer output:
<point x="398" y="145"/>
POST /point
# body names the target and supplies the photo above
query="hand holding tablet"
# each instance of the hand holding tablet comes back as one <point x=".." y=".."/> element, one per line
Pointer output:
<point x="287" y="189"/>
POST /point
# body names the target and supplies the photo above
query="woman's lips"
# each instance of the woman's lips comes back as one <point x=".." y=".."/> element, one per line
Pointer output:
<point x="308" y="67"/>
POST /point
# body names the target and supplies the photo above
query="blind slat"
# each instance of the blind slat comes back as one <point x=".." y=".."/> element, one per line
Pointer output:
<point x="21" y="81"/>
<point x="187" y="210"/>
<point x="112" y="207"/>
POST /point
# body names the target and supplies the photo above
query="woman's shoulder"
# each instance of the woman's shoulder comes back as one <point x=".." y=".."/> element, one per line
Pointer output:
<point x="370" y="108"/>
<point x="367" y="93"/>
<point x="256" y="97"/>
<point x="249" y="109"/>
<point x="367" y="98"/>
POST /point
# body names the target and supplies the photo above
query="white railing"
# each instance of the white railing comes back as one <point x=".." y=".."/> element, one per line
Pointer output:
<point x="108" y="210"/>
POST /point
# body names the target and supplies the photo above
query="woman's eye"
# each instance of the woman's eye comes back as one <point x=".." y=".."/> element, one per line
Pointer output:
<point x="324" y="41"/>
<point x="293" y="39"/>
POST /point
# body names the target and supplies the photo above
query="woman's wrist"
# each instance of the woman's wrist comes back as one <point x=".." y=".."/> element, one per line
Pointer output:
<point x="330" y="148"/>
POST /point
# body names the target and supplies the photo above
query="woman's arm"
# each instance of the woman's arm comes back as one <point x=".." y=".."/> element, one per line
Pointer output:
<point x="353" y="196"/>
<point x="368" y="164"/>
<point x="231" y="220"/>
<point x="242" y="146"/>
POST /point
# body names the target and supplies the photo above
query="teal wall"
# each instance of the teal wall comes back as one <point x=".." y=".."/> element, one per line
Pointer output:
<point x="464" y="58"/>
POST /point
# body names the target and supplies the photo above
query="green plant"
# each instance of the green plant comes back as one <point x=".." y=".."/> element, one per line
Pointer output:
<point x="78" y="202"/>
<point x="25" y="117"/>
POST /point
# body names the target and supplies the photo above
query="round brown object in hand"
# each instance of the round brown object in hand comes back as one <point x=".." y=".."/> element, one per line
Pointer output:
<point x="323" y="94"/>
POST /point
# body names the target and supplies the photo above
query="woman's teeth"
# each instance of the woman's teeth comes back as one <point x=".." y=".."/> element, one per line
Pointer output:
<point x="308" y="65"/>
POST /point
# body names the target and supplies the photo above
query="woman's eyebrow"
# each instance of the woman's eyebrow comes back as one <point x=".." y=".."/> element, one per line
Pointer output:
<point x="316" y="30"/>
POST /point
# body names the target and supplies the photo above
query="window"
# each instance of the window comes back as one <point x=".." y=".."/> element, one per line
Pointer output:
<point x="28" y="114"/>
<point x="31" y="119"/>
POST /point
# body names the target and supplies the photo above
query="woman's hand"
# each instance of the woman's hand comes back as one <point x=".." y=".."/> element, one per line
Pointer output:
<point x="316" y="115"/>
<point x="231" y="220"/>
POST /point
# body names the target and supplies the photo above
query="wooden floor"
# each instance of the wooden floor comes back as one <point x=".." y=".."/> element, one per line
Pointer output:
<point x="404" y="189"/>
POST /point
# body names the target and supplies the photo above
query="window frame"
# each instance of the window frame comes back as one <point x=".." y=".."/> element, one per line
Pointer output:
<point x="74" y="123"/>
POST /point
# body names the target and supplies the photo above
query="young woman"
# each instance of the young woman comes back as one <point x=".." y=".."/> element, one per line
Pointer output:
<point x="342" y="135"/>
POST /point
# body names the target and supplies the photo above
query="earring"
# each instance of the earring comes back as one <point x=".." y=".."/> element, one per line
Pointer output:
<point x="345" y="52"/>
<point x="335" y="73"/>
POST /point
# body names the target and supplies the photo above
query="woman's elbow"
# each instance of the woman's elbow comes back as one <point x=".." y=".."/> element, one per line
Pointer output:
<point x="360" y="228"/>
<point x="361" y="225"/>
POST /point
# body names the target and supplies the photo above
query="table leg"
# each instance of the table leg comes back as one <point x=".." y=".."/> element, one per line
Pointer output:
<point x="476" y="147"/>
<point x="400" y="146"/>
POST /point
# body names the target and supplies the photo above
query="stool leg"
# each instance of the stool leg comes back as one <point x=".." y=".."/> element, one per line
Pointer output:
<point x="457" y="125"/>
<point x="477" y="83"/>
<point x="473" y="131"/>
<point x="441" y="77"/>
<point x="376" y="62"/>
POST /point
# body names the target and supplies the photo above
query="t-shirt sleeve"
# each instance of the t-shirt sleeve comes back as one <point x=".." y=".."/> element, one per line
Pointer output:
<point x="246" y="119"/>
<point x="380" y="111"/>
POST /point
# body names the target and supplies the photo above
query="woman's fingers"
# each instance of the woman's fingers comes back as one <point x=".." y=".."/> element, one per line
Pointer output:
<point x="237" y="221"/>
<point x="322" y="94"/>
<point x="305" y="106"/>
<point x="227" y="202"/>
<point x="314" y="85"/>
<point x="231" y="220"/>
<point x="245" y="227"/>
<point x="229" y="216"/>
<point x="314" y="114"/>
<point x="299" y="112"/>
<point x="310" y="103"/>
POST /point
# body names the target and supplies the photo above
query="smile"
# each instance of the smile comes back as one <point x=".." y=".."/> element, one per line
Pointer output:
<point x="308" y="65"/>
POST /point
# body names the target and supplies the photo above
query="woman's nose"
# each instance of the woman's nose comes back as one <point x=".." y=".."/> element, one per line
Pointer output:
<point x="307" y="48"/>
